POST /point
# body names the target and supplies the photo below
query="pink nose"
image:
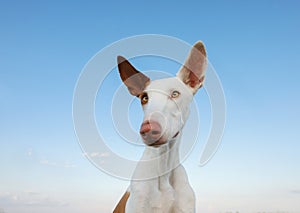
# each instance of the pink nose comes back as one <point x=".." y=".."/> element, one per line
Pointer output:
<point x="150" y="132"/>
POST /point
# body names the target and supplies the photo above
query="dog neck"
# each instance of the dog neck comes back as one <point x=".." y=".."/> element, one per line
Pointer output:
<point x="158" y="163"/>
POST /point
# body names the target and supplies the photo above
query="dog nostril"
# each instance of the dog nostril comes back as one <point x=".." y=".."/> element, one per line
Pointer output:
<point x="154" y="132"/>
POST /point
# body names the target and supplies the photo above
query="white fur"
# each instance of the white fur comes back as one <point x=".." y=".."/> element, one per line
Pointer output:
<point x="169" y="191"/>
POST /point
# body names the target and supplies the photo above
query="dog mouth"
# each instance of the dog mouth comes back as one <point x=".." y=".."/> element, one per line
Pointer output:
<point x="157" y="143"/>
<point x="161" y="141"/>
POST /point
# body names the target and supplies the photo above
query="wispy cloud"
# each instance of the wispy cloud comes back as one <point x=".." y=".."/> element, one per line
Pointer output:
<point x="29" y="152"/>
<point x="295" y="191"/>
<point x="32" y="193"/>
<point x="44" y="161"/>
<point x="55" y="164"/>
<point x="98" y="154"/>
<point x="29" y="198"/>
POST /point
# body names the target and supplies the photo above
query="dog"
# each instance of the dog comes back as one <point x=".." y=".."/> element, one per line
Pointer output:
<point x="165" y="104"/>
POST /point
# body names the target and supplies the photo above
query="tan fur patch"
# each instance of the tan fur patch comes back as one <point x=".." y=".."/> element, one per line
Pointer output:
<point x="120" y="208"/>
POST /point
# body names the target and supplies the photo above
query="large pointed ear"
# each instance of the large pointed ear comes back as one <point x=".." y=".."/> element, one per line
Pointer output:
<point x="193" y="71"/>
<point x="132" y="78"/>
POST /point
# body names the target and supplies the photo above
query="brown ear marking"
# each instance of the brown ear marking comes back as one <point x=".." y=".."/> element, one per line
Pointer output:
<point x="132" y="78"/>
<point x="200" y="47"/>
<point x="193" y="71"/>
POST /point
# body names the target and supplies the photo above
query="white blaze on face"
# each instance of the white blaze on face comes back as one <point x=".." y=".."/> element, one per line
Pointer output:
<point x="166" y="101"/>
<point x="168" y="104"/>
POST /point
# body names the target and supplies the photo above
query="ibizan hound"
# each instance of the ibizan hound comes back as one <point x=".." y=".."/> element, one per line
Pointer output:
<point x="166" y="105"/>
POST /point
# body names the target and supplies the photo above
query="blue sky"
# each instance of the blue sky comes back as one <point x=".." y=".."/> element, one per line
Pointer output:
<point x="254" y="47"/>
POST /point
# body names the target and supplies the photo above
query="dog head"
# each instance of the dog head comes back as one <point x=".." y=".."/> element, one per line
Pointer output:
<point x="165" y="101"/>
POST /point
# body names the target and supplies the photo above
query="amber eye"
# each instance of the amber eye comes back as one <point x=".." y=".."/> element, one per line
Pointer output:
<point x="175" y="94"/>
<point x="144" y="98"/>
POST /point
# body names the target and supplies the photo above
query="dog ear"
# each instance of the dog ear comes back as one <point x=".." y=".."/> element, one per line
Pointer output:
<point x="193" y="71"/>
<point x="132" y="78"/>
